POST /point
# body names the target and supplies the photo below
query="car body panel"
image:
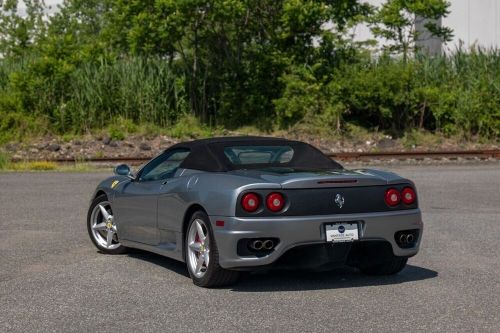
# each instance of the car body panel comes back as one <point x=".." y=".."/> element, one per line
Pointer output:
<point x="135" y="205"/>
<point x="301" y="230"/>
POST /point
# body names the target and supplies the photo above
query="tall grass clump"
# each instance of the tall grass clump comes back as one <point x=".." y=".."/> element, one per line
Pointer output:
<point x="78" y="98"/>
<point x="137" y="89"/>
<point x="469" y="101"/>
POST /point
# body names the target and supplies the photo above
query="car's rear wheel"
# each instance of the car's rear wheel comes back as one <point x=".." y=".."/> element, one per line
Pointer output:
<point x="390" y="266"/>
<point x="202" y="256"/>
<point x="102" y="228"/>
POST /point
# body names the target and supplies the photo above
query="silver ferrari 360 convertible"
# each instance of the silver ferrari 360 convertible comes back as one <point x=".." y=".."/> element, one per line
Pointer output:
<point x="225" y="205"/>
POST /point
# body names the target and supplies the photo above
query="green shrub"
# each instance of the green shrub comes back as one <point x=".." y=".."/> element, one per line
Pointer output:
<point x="120" y="128"/>
<point x="455" y="95"/>
<point x="189" y="126"/>
<point x="16" y="126"/>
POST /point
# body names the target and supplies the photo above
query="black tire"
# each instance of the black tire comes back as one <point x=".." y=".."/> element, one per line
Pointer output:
<point x="120" y="249"/>
<point x="215" y="275"/>
<point x="390" y="266"/>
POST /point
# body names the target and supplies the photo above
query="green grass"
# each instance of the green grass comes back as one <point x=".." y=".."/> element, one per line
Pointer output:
<point x="186" y="127"/>
<point x="4" y="160"/>
<point x="190" y="127"/>
<point x="35" y="166"/>
<point x="421" y="139"/>
<point x="45" y="166"/>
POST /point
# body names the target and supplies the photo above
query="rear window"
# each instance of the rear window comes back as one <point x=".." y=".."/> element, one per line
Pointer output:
<point x="247" y="155"/>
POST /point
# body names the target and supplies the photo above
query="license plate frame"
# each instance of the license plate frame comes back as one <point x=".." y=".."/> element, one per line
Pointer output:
<point x="342" y="232"/>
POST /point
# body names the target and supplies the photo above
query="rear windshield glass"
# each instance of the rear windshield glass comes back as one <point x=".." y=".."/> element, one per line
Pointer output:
<point x="249" y="155"/>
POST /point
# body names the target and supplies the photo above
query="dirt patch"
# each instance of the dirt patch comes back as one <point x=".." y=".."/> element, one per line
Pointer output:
<point x="89" y="147"/>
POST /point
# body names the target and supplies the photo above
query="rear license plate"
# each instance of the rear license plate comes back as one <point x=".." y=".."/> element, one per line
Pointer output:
<point x="342" y="232"/>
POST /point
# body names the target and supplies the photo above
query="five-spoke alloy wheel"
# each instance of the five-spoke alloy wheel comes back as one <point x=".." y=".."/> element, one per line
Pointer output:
<point x="202" y="256"/>
<point x="198" y="239"/>
<point x="102" y="228"/>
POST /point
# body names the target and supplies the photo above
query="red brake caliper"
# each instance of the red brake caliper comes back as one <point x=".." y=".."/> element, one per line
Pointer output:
<point x="197" y="240"/>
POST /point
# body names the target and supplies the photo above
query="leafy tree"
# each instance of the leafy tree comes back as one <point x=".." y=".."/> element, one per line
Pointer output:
<point x="20" y="32"/>
<point x="233" y="52"/>
<point x="396" y="22"/>
<point x="74" y="31"/>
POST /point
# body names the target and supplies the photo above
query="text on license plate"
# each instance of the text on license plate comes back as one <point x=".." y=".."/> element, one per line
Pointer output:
<point x="342" y="232"/>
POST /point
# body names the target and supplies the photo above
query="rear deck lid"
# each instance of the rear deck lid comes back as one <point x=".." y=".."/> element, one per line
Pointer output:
<point x="301" y="179"/>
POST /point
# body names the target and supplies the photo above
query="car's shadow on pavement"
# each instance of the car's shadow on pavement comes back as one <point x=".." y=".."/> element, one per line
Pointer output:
<point x="291" y="280"/>
<point x="334" y="279"/>
<point x="168" y="263"/>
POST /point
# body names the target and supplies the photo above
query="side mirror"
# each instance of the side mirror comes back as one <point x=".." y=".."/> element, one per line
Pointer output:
<point x="124" y="170"/>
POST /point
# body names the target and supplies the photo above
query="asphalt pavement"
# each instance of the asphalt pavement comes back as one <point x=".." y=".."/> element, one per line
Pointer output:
<point x="53" y="279"/>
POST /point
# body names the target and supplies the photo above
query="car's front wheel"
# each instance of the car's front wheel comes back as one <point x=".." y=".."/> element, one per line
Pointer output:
<point x="102" y="228"/>
<point x="202" y="256"/>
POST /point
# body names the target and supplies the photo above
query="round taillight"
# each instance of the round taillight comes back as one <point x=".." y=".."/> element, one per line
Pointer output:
<point x="250" y="202"/>
<point x="275" y="202"/>
<point x="408" y="195"/>
<point x="392" y="197"/>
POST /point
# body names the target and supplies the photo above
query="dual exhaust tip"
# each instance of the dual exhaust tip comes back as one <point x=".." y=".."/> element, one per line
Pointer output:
<point x="406" y="238"/>
<point x="260" y="245"/>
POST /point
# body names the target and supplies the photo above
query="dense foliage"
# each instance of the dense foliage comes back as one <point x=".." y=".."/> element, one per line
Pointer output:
<point x="266" y="63"/>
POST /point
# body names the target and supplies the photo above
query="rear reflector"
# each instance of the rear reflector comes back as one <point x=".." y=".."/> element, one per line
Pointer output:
<point x="392" y="197"/>
<point x="219" y="223"/>
<point x="250" y="202"/>
<point x="408" y="195"/>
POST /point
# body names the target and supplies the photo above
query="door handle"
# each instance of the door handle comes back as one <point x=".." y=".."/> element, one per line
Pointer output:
<point x="165" y="182"/>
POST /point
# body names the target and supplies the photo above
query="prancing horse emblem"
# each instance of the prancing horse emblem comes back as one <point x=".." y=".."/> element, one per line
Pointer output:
<point x="339" y="200"/>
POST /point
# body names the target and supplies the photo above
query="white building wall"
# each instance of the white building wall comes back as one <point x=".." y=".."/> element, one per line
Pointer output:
<point x="475" y="23"/>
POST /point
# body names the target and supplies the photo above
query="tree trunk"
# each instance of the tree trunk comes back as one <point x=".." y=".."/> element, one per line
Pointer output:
<point x="422" y="114"/>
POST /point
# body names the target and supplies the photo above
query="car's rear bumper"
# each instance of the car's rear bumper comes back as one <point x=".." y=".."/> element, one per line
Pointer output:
<point x="295" y="231"/>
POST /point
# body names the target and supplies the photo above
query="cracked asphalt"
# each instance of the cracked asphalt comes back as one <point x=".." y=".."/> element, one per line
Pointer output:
<point x="52" y="279"/>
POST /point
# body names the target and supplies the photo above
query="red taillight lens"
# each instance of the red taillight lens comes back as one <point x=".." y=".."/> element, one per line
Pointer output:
<point x="392" y="197"/>
<point x="250" y="202"/>
<point x="408" y="195"/>
<point x="275" y="202"/>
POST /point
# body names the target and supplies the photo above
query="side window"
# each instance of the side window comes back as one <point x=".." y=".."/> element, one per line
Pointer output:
<point x="164" y="166"/>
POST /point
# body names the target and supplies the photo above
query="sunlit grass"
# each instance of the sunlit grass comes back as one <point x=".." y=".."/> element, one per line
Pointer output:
<point x="46" y="166"/>
<point x="33" y="166"/>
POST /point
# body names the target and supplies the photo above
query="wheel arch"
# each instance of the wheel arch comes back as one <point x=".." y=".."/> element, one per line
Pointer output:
<point x="99" y="193"/>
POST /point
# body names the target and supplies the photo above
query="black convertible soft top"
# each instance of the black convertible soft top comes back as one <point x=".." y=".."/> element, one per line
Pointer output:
<point x="208" y="154"/>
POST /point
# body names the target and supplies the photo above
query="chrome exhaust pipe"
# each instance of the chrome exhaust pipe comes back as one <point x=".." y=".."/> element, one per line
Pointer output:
<point x="410" y="238"/>
<point x="403" y="239"/>
<point x="256" y="245"/>
<point x="268" y="244"/>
